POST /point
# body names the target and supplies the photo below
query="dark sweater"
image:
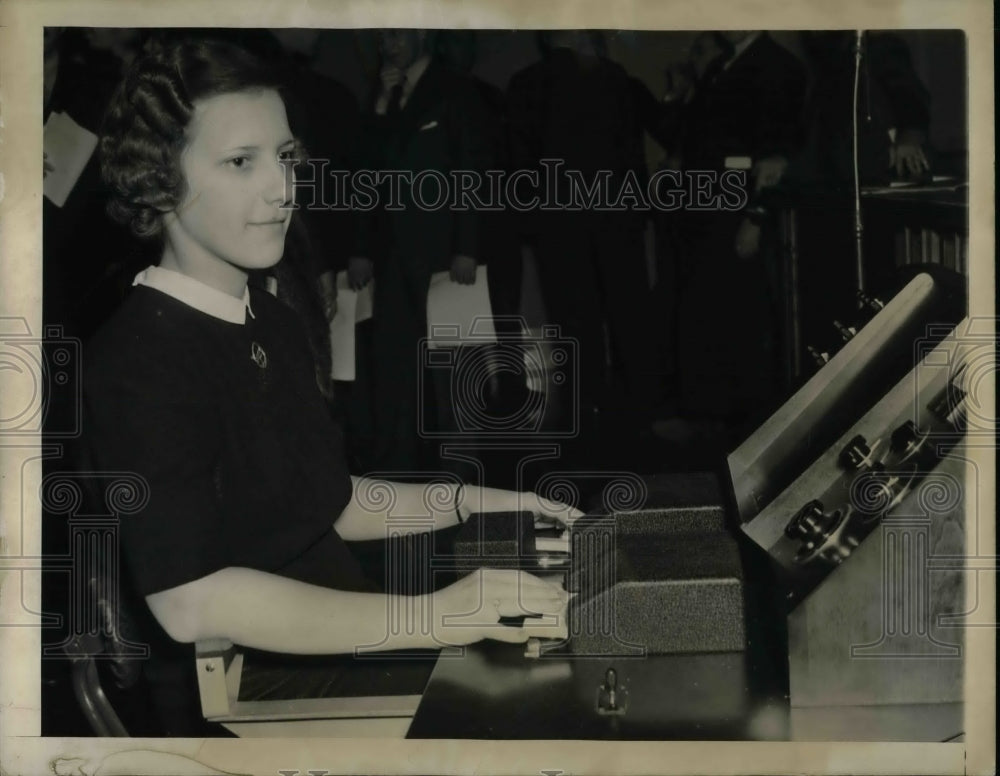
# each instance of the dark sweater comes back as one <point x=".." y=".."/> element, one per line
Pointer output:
<point x="244" y="465"/>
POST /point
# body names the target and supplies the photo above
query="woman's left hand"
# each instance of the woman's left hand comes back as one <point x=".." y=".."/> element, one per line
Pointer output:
<point x="478" y="499"/>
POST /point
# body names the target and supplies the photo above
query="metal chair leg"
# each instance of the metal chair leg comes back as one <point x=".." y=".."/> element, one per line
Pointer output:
<point x="93" y="702"/>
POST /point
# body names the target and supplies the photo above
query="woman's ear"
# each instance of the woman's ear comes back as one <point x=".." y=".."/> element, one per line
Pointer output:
<point x="168" y="215"/>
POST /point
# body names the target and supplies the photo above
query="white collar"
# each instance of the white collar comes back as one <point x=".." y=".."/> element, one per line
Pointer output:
<point x="742" y="46"/>
<point x="196" y="294"/>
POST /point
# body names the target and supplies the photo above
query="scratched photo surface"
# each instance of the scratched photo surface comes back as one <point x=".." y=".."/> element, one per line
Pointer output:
<point x="553" y="390"/>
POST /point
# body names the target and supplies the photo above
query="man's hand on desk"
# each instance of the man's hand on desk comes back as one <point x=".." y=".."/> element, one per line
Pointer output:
<point x="359" y="272"/>
<point x="470" y="610"/>
<point x="907" y="155"/>
<point x="479" y="499"/>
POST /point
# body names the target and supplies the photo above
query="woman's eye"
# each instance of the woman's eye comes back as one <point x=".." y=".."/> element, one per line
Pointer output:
<point x="240" y="162"/>
<point x="288" y="156"/>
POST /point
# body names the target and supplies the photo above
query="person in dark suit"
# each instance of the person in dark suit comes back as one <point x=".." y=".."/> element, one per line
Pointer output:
<point x="745" y="115"/>
<point x="578" y="107"/>
<point x="326" y="118"/>
<point x="81" y="287"/>
<point x="498" y="245"/>
<point x="705" y="57"/>
<point x="893" y="109"/>
<point x="424" y="117"/>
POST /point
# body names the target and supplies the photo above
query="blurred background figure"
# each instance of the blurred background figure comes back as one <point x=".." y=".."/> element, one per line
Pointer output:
<point x="498" y="245"/>
<point x="326" y="118"/>
<point x="422" y="116"/>
<point x="577" y="106"/>
<point x="743" y="113"/>
<point x="893" y="109"/>
<point x="710" y="50"/>
<point x="499" y="249"/>
<point x="82" y="286"/>
<point x="683" y="80"/>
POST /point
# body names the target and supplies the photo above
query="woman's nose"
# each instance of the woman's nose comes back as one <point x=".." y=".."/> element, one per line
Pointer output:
<point x="279" y="188"/>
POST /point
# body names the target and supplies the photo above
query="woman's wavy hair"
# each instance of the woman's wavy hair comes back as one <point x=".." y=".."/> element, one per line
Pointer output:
<point x="144" y="127"/>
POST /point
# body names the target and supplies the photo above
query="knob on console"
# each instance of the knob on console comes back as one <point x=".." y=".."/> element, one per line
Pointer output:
<point x="904" y="437"/>
<point x="855" y="454"/>
<point x="612" y="698"/>
<point x="873" y="303"/>
<point x="846" y="332"/>
<point x="819" y="357"/>
<point x="811" y="524"/>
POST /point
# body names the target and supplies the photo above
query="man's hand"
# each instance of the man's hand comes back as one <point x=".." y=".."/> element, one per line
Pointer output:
<point x="747" y="239"/>
<point x="463" y="270"/>
<point x="768" y="171"/>
<point x="46" y="165"/>
<point x="359" y="272"/>
<point x="907" y="155"/>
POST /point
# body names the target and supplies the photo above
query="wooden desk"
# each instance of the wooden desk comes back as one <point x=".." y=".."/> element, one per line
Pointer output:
<point x="494" y="692"/>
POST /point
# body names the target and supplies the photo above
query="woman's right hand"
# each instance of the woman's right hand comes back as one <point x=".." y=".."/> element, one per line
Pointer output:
<point x="470" y="609"/>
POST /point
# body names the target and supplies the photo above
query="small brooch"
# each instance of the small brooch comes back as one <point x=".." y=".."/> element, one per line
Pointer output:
<point x="258" y="355"/>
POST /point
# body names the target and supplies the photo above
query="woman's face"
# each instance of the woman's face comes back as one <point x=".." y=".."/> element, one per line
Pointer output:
<point x="238" y="183"/>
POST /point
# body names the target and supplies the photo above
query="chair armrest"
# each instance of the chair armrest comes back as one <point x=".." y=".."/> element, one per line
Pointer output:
<point x="219" y="667"/>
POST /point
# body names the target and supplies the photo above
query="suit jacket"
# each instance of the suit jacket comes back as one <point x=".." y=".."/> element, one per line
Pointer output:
<point x="752" y="108"/>
<point x="584" y="114"/>
<point x="88" y="259"/>
<point x="442" y="127"/>
<point x="587" y="116"/>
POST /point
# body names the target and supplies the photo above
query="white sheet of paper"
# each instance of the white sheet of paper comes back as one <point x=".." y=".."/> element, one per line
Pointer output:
<point x="68" y="148"/>
<point x="457" y="314"/>
<point x="342" y="331"/>
<point x="353" y="307"/>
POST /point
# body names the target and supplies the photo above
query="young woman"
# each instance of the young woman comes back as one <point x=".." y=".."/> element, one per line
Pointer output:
<point x="207" y="390"/>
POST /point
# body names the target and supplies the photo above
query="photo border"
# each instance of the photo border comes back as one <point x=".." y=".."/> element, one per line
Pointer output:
<point x="22" y="751"/>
